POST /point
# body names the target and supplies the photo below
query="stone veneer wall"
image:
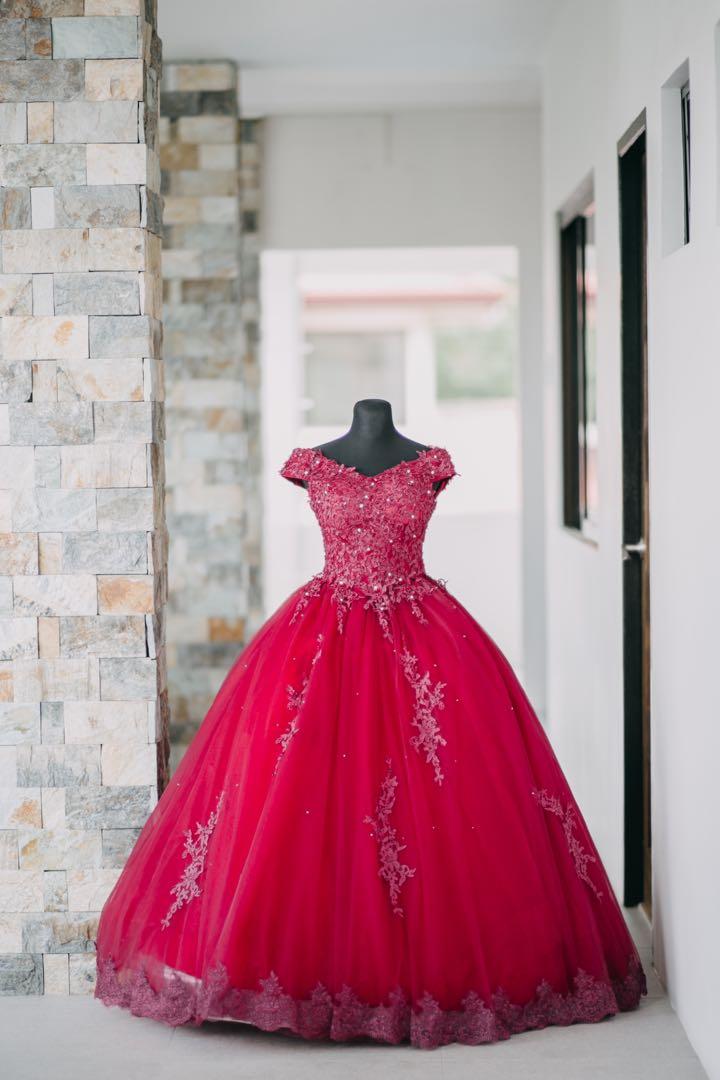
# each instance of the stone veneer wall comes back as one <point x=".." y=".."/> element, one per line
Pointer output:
<point x="210" y="163"/>
<point x="83" y="545"/>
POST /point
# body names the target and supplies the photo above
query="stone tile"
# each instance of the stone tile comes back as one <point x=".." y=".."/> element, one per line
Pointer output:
<point x="117" y="336"/>
<point x="89" y="889"/>
<point x="9" y="852"/>
<point x="45" y="337"/>
<point x="125" y="510"/>
<point x="53" y="849"/>
<point x="21" y="974"/>
<point x="19" y="723"/>
<point x="101" y="380"/>
<point x="97" y="294"/>
<point x="125" y="423"/>
<point x="17" y="467"/>
<point x="108" y="808"/>
<point x="54" y="680"/>
<point x="96" y="122"/>
<point x="15" y="208"/>
<point x="125" y="764"/>
<point x="42" y="80"/>
<point x="16" y="295"/>
<point x="38" y="38"/>
<point x="52" y="720"/>
<point x="13" y="125"/>
<point x="19" y="807"/>
<point x="104" y="465"/>
<point x="44" y="377"/>
<point x="102" y="635"/>
<point x="83" y="971"/>
<point x="11" y="932"/>
<point x="126" y="595"/>
<point x="64" y="932"/>
<point x="47" y="467"/>
<point x="43" y="295"/>
<point x="117" y="845"/>
<point x="53" y="808"/>
<point x="57" y="766"/>
<point x="51" y="424"/>
<point x="207" y="129"/>
<point x="53" y="510"/>
<point x="114" y="7"/>
<point x="46" y="250"/>
<point x="114" y="37"/>
<point x="39" y="164"/>
<point x="100" y="553"/>
<point x="12" y="40"/>
<point x="40" y="121"/>
<point x="42" y="203"/>
<point x="128" y="679"/>
<point x="114" y="80"/>
<point x="8" y="766"/>
<point x="48" y="638"/>
<point x="21" y="890"/>
<point x="15" y="382"/>
<point x="55" y="594"/>
<point x="117" y="249"/>
<point x="18" y="638"/>
<point x="94" y="722"/>
<point x="56" y="974"/>
<point x="55" y="890"/>
<point x="109" y="163"/>
<point x="100" y="206"/>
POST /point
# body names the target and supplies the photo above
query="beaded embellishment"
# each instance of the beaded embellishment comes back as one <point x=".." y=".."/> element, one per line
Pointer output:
<point x="373" y="529"/>
<point x="393" y="872"/>
<point x="428" y="698"/>
<point x="568" y="819"/>
<point x="295" y="702"/>
<point x="195" y="850"/>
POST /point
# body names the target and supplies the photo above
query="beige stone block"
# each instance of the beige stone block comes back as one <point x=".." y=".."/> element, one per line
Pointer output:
<point x="117" y="249"/>
<point x="113" y="7"/>
<point x="114" y="80"/>
<point x="55" y="680"/>
<point x="83" y="973"/>
<point x="56" y="974"/>
<point x="127" y="765"/>
<point x="55" y="594"/>
<point x="49" y="638"/>
<point x="20" y="807"/>
<point x="40" y="121"/>
<point x="16" y="294"/>
<point x="45" y="337"/>
<point x="125" y="594"/>
<point x="218" y="156"/>
<point x="200" y="76"/>
<point x="117" y="163"/>
<point x="18" y="553"/>
<point x="21" y="890"/>
<point x="89" y="889"/>
<point x="8" y="850"/>
<point x="182" y="210"/>
<point x="100" y="380"/>
<point x="7" y="683"/>
<point x="59" y="849"/>
<point x="44" y="380"/>
<point x="5" y="511"/>
<point x="104" y="465"/>
<point x="45" y="251"/>
<point x="11" y="933"/>
<point x="207" y="129"/>
<point x="50" y="552"/>
<point x="151" y="297"/>
<point x="93" y="722"/>
<point x="4" y="424"/>
<point x="53" y="807"/>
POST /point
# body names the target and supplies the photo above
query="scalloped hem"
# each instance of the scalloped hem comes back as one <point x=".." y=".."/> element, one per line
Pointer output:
<point x="342" y="1017"/>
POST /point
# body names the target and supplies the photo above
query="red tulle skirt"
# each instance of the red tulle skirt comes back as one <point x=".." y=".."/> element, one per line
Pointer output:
<point x="370" y="835"/>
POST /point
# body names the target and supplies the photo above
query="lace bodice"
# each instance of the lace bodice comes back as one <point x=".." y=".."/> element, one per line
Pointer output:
<point x="373" y="527"/>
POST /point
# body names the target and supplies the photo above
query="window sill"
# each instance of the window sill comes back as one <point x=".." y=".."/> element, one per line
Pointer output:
<point x="583" y="534"/>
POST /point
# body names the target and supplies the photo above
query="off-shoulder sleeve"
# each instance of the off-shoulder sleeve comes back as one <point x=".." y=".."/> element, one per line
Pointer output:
<point x="298" y="466"/>
<point x="440" y="467"/>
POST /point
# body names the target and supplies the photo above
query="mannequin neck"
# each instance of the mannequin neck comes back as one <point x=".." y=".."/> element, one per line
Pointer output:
<point x="372" y="421"/>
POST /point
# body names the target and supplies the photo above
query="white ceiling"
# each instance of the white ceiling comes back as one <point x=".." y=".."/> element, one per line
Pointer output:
<point x="297" y="55"/>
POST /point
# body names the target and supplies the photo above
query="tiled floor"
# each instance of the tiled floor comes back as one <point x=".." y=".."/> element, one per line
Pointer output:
<point x="79" y="1039"/>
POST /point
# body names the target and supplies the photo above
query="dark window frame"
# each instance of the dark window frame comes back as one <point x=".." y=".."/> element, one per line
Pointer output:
<point x="685" y="125"/>
<point x="573" y="316"/>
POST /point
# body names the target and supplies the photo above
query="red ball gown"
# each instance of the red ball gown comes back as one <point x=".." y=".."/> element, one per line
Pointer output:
<point x="370" y="834"/>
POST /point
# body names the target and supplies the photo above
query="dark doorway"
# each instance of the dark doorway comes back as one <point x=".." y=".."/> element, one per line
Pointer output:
<point x="636" y="643"/>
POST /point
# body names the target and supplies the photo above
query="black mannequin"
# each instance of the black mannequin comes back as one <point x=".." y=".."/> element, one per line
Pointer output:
<point x="372" y="444"/>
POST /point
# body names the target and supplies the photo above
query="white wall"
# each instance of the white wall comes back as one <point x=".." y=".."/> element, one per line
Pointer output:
<point x="606" y="62"/>
<point x="428" y="179"/>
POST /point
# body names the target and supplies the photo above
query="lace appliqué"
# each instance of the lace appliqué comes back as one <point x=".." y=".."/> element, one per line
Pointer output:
<point x="295" y="702"/>
<point x="195" y="850"/>
<point x="567" y="817"/>
<point x="343" y="1016"/>
<point x="373" y="529"/>
<point x="392" y="871"/>
<point x="428" y="698"/>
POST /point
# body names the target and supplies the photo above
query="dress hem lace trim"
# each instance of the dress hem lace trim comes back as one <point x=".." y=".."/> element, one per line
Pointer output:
<point x="343" y="1016"/>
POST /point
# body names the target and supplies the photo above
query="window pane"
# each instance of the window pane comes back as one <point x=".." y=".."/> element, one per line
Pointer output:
<point x="476" y="363"/>
<point x="342" y="368"/>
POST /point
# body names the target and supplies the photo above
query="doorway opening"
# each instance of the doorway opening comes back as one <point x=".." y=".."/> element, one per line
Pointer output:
<point x="636" y="593"/>
<point x="435" y="332"/>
